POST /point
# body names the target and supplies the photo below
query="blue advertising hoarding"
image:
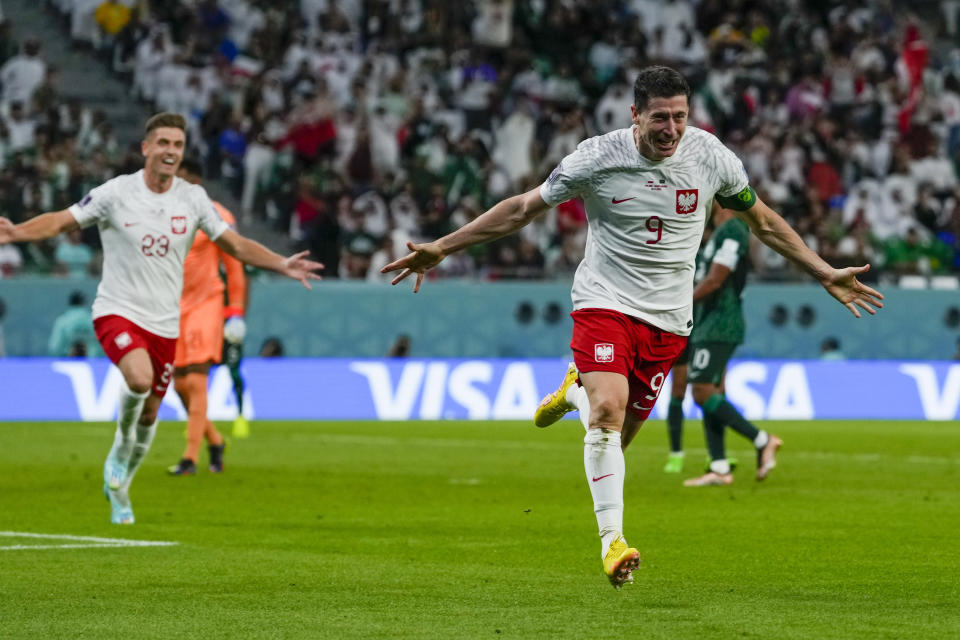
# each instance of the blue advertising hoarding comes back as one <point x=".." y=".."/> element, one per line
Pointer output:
<point x="480" y="389"/>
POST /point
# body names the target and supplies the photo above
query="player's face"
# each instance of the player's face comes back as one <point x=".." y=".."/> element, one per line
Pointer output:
<point x="660" y="126"/>
<point x="163" y="150"/>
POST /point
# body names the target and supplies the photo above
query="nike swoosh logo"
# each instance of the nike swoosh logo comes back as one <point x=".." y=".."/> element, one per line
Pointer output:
<point x="602" y="477"/>
<point x="129" y="224"/>
<point x="639" y="407"/>
<point x="615" y="201"/>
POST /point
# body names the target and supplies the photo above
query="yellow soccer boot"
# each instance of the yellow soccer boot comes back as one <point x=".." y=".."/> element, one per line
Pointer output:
<point x="554" y="406"/>
<point x="620" y="561"/>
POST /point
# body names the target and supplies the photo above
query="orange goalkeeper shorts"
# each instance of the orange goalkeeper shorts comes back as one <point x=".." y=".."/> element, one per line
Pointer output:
<point x="201" y="334"/>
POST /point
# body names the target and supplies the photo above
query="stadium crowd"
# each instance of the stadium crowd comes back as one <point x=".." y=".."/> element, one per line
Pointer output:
<point x="355" y="126"/>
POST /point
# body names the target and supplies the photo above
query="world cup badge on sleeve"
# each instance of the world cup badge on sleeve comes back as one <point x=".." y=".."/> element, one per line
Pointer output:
<point x="555" y="173"/>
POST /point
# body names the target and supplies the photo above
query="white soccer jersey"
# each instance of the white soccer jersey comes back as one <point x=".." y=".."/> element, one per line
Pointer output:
<point x="145" y="237"/>
<point x="645" y="220"/>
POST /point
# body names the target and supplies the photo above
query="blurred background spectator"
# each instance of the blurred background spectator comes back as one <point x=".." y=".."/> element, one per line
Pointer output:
<point x="72" y="335"/>
<point x="272" y="347"/>
<point x="830" y="349"/>
<point x="351" y="127"/>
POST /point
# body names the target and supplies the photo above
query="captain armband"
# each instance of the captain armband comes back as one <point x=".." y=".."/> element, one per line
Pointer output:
<point x="739" y="202"/>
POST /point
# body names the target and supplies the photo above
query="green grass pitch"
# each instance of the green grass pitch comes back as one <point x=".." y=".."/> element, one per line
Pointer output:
<point x="483" y="530"/>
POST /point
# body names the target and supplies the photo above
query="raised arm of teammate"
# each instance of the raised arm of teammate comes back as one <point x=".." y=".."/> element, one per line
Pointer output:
<point x="297" y="266"/>
<point x="502" y="219"/>
<point x="237" y="290"/>
<point x="711" y="282"/>
<point x="774" y="232"/>
<point x="41" y="227"/>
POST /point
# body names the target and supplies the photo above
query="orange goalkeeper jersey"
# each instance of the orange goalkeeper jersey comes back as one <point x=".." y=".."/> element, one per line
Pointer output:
<point x="201" y="271"/>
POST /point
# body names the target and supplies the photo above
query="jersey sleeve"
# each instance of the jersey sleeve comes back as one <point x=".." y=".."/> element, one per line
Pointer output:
<point x="568" y="179"/>
<point x="207" y="217"/>
<point x="94" y="206"/>
<point x="731" y="176"/>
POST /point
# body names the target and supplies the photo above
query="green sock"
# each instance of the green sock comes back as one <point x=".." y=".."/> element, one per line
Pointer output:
<point x="237" y="387"/>
<point x="718" y="407"/>
<point x="713" y="434"/>
<point x="675" y="424"/>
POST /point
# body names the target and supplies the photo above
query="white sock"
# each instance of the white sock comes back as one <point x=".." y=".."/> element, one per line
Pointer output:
<point x="131" y="404"/>
<point x="140" y="447"/>
<point x="761" y="440"/>
<point x="605" y="468"/>
<point x="121" y="446"/>
<point x="720" y="466"/>
<point x="577" y="396"/>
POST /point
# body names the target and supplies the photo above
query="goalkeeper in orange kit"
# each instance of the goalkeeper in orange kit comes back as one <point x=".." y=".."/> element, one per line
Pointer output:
<point x="205" y="321"/>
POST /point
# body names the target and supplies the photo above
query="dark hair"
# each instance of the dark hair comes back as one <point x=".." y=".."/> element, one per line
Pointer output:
<point x="77" y="299"/>
<point x="658" y="82"/>
<point x="165" y="119"/>
<point x="192" y="166"/>
<point x="31" y="46"/>
<point x="271" y="348"/>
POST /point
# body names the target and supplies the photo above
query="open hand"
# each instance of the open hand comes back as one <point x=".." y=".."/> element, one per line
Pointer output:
<point x="6" y="230"/>
<point x="843" y="285"/>
<point x="423" y="257"/>
<point x="300" y="268"/>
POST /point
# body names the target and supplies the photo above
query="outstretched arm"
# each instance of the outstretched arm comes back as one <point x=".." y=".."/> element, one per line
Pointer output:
<point x="714" y="280"/>
<point x="41" y="227"/>
<point x="237" y="292"/>
<point x="502" y="219"/>
<point x="297" y="266"/>
<point x="842" y="284"/>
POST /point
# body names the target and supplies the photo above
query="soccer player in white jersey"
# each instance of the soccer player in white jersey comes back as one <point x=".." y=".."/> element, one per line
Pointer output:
<point x="147" y="221"/>
<point x="647" y="190"/>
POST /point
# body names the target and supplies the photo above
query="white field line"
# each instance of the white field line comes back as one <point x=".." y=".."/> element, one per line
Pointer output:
<point x="21" y="547"/>
<point x="96" y="542"/>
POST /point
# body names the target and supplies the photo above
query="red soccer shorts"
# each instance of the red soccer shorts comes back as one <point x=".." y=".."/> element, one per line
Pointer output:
<point x="606" y="340"/>
<point x="118" y="337"/>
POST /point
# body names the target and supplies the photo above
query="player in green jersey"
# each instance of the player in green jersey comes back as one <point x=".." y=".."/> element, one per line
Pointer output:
<point x="717" y="331"/>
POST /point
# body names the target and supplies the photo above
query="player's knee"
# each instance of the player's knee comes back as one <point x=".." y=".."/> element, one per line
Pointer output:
<point x="197" y="384"/>
<point x="606" y="412"/>
<point x="195" y="388"/>
<point x="139" y="381"/>
<point x="182" y="388"/>
<point x="702" y="392"/>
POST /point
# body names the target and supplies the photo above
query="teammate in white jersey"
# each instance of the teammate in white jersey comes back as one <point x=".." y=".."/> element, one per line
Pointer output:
<point x="647" y="191"/>
<point x="147" y="221"/>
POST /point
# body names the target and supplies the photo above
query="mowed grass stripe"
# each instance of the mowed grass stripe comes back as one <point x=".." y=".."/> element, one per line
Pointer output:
<point x="475" y="529"/>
